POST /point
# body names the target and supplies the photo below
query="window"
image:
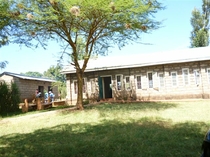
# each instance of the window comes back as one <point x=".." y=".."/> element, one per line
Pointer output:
<point x="76" y="86"/>
<point x="41" y="89"/>
<point x="174" y="78"/>
<point x="208" y="72"/>
<point x="119" y="82"/>
<point x="161" y="80"/>
<point x="150" y="80"/>
<point x="138" y="82"/>
<point x="93" y="86"/>
<point x="197" y="76"/>
<point x="127" y="83"/>
<point x="185" y="73"/>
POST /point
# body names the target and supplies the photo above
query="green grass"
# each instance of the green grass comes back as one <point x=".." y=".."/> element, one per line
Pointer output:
<point x="158" y="129"/>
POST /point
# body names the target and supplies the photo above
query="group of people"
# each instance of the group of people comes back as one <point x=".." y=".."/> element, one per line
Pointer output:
<point x="47" y="95"/>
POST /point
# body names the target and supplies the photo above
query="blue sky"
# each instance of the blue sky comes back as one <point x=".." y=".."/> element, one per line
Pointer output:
<point x="174" y="35"/>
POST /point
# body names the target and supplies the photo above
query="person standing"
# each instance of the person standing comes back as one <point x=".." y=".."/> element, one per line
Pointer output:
<point x="46" y="96"/>
<point x="38" y="93"/>
<point x="51" y="95"/>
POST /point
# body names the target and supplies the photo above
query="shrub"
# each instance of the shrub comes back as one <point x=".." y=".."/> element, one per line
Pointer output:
<point x="9" y="98"/>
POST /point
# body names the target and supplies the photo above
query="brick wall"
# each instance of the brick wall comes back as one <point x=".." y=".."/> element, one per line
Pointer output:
<point x="27" y="87"/>
<point x="168" y="91"/>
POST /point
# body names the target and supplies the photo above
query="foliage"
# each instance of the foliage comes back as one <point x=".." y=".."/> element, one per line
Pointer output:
<point x="61" y="88"/>
<point x="4" y="22"/>
<point x="99" y="23"/>
<point x="33" y="74"/>
<point x="54" y="72"/>
<point x="9" y="98"/>
<point x="3" y="64"/>
<point x="200" y="23"/>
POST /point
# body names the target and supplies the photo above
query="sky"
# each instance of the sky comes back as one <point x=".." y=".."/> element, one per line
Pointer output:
<point x="173" y="35"/>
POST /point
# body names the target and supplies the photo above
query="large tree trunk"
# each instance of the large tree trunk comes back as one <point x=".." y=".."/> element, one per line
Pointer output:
<point x="80" y="89"/>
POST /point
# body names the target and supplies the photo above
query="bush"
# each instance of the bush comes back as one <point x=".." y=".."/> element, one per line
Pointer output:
<point x="9" y="98"/>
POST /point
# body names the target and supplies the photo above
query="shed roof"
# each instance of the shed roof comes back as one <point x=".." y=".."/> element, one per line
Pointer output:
<point x="27" y="77"/>
<point x="141" y="60"/>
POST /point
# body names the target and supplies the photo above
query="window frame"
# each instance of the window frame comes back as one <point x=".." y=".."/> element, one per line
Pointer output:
<point x="92" y="82"/>
<point x="148" y="79"/>
<point x="176" y="79"/>
<point x="121" y="82"/>
<point x="184" y="78"/>
<point x="197" y="80"/>
<point x="129" y="83"/>
<point x="163" y="79"/>
<point x="140" y="81"/>
<point x="84" y="88"/>
<point x="208" y="74"/>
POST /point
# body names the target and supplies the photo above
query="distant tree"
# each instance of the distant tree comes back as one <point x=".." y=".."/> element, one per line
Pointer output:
<point x="200" y="23"/>
<point x="100" y="23"/>
<point x="54" y="72"/>
<point x="33" y="74"/>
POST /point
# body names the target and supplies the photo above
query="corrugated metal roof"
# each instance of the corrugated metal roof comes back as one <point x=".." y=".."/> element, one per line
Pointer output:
<point x="141" y="60"/>
<point x="27" y="77"/>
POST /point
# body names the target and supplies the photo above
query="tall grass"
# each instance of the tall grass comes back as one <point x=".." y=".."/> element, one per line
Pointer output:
<point x="120" y="130"/>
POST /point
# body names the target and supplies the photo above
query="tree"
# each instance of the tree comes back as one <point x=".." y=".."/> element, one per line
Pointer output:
<point x="33" y="74"/>
<point x="54" y="72"/>
<point x="3" y="64"/>
<point x="200" y="23"/>
<point x="4" y="22"/>
<point x="100" y="24"/>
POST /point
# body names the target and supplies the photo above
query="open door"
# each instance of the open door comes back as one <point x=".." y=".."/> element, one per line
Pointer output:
<point x="100" y="85"/>
<point x="107" y="87"/>
<point x="105" y="90"/>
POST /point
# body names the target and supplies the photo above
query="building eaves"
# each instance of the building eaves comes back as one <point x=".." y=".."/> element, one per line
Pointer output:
<point x="142" y="60"/>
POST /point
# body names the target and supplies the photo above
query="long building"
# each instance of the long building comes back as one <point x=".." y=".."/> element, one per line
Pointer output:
<point x="180" y="74"/>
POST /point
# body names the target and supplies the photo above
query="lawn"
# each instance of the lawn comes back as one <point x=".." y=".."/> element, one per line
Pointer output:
<point x="156" y="129"/>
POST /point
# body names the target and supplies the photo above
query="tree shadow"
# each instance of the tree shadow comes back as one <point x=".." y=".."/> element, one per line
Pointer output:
<point x="141" y="138"/>
<point x="133" y="106"/>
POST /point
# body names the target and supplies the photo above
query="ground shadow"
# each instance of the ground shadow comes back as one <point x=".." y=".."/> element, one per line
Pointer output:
<point x="133" y="106"/>
<point x="141" y="138"/>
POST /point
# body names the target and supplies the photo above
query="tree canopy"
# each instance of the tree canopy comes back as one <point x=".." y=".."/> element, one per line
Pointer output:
<point x="99" y="23"/>
<point x="200" y="23"/>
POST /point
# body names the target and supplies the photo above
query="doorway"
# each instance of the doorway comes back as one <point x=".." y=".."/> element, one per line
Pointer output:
<point x="105" y="90"/>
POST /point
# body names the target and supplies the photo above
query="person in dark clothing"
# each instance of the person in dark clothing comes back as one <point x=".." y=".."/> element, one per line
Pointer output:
<point x="206" y="145"/>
